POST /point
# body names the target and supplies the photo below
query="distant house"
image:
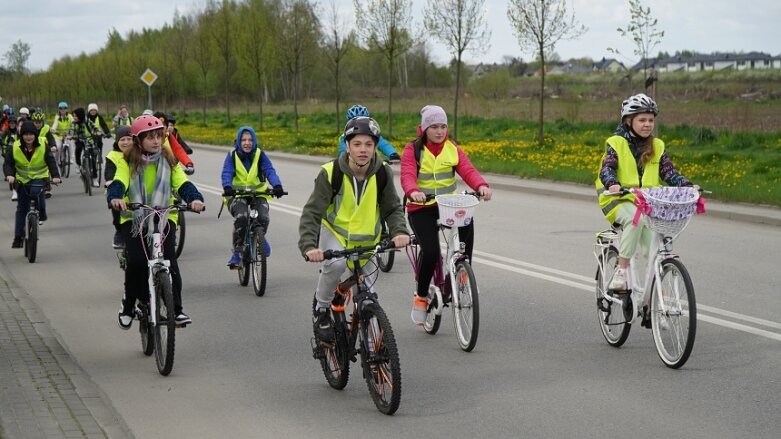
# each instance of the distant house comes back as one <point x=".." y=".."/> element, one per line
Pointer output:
<point x="567" y="68"/>
<point x="608" y="65"/>
<point x="712" y="62"/>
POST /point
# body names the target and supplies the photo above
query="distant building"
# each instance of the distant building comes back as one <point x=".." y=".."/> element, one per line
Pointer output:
<point x="608" y="65"/>
<point x="713" y="62"/>
<point x="567" y="68"/>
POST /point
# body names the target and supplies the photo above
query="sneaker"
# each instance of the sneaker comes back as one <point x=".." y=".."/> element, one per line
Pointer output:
<point x="14" y="196"/>
<point x="322" y="325"/>
<point x="618" y="283"/>
<point x="267" y="247"/>
<point x="119" y="241"/>
<point x="18" y="243"/>
<point x="419" y="309"/>
<point x="95" y="182"/>
<point x="48" y="194"/>
<point x="234" y="261"/>
<point x="125" y="321"/>
<point x="183" y="319"/>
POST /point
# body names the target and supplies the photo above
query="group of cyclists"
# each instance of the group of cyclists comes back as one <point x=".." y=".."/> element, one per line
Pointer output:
<point x="352" y="196"/>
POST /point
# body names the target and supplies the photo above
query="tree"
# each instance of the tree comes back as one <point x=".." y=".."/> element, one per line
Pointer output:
<point x="539" y="25"/>
<point x="461" y="26"/>
<point x="17" y="56"/>
<point x="202" y="54"/>
<point x="389" y="34"/>
<point x="336" y="46"/>
<point x="257" y="43"/>
<point x="642" y="28"/>
<point x="224" y="34"/>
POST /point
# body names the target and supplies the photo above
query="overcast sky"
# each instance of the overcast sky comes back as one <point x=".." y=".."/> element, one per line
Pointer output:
<point x="69" y="27"/>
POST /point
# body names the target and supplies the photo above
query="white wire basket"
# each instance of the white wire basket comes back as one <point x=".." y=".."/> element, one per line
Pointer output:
<point x="670" y="208"/>
<point x="456" y="210"/>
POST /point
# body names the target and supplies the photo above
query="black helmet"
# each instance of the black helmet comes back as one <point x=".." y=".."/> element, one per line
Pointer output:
<point x="362" y="125"/>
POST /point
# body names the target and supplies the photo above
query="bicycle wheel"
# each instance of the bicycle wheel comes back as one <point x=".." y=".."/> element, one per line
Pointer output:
<point x="674" y="314"/>
<point x="147" y="334"/>
<point x="466" y="314"/>
<point x="86" y="174"/>
<point x="244" y="267"/>
<point x="99" y="167"/>
<point x="335" y="357"/>
<point x="259" y="262"/>
<point x="31" y="241"/>
<point x="65" y="161"/>
<point x="613" y="319"/>
<point x="380" y="359"/>
<point x="433" y="320"/>
<point x="165" y="330"/>
<point x="385" y="259"/>
<point x="180" y="234"/>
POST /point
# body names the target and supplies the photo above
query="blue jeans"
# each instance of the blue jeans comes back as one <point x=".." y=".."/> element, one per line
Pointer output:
<point x="25" y="193"/>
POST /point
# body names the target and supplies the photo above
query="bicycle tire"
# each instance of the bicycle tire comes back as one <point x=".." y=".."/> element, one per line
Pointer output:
<point x="380" y="359"/>
<point x="147" y="333"/>
<point x="466" y="315"/>
<point x="165" y="330"/>
<point x="99" y="167"/>
<point x="432" y="322"/>
<point x="87" y="174"/>
<point x="244" y="267"/>
<point x="385" y="259"/>
<point x="31" y="240"/>
<point x="614" y="321"/>
<point x="335" y="359"/>
<point x="674" y="315"/>
<point x="259" y="261"/>
<point x="180" y="234"/>
<point x="65" y="164"/>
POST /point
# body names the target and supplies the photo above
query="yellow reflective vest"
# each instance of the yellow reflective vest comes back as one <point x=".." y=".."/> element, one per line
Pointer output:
<point x="249" y="179"/>
<point x="178" y="178"/>
<point x="33" y="169"/>
<point x="437" y="174"/>
<point x="355" y="223"/>
<point x="627" y="174"/>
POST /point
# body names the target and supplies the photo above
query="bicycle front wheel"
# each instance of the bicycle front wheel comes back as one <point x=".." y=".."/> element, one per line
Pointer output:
<point x="86" y="174"/>
<point x="65" y="164"/>
<point x="466" y="312"/>
<point x="385" y="259"/>
<point x="165" y="330"/>
<point x="244" y="267"/>
<point x="180" y="234"/>
<point x="613" y="317"/>
<point x="259" y="261"/>
<point x="380" y="359"/>
<point x="674" y="314"/>
<point x="146" y="331"/>
<point x="31" y="241"/>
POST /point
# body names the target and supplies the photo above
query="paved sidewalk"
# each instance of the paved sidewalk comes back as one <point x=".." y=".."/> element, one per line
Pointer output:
<point x="43" y="393"/>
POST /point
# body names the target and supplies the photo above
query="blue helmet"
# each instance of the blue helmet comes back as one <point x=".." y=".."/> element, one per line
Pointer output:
<point x="62" y="105"/>
<point x="357" y="111"/>
<point x="10" y="111"/>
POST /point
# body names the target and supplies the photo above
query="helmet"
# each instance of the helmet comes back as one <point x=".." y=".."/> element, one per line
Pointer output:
<point x="38" y="116"/>
<point x="361" y="125"/>
<point x="62" y="105"/>
<point x="147" y="112"/>
<point x="171" y="119"/>
<point x="9" y="111"/>
<point x="160" y="115"/>
<point x="639" y="103"/>
<point x="357" y="111"/>
<point x="24" y="110"/>
<point x="91" y="107"/>
<point x="145" y="123"/>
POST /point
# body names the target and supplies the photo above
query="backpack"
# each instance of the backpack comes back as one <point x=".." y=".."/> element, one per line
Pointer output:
<point x="337" y="177"/>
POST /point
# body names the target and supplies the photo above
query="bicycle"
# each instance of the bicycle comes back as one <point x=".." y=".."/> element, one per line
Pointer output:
<point x="385" y="259"/>
<point x="156" y="317"/>
<point x="86" y="167"/>
<point x="34" y="189"/>
<point x="63" y="157"/>
<point x="253" y="252"/>
<point x="453" y="272"/>
<point x="669" y="307"/>
<point x="181" y="230"/>
<point x="366" y="331"/>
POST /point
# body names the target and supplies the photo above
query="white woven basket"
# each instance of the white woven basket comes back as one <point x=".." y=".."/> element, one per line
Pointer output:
<point x="456" y="210"/>
<point x="671" y="208"/>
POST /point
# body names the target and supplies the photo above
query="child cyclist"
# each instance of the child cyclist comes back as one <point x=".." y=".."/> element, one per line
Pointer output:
<point x="248" y="167"/>
<point x="428" y="167"/>
<point x="115" y="159"/>
<point x="152" y="177"/>
<point x="633" y="158"/>
<point x="29" y="163"/>
<point x="382" y="145"/>
<point x="350" y="216"/>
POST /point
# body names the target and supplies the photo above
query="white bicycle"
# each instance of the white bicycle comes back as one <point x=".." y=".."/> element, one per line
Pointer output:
<point x="664" y="301"/>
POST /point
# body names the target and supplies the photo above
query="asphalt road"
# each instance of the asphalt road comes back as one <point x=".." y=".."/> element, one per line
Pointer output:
<point x="540" y="368"/>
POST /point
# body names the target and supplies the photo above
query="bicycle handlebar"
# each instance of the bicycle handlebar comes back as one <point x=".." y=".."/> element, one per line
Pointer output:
<point x="382" y="246"/>
<point x="184" y="207"/>
<point x="249" y="193"/>
<point x="624" y="191"/>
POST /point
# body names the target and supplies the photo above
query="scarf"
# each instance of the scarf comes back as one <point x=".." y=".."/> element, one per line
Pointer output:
<point x="160" y="195"/>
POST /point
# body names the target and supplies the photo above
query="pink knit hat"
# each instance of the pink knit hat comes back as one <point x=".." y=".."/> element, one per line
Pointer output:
<point x="430" y="115"/>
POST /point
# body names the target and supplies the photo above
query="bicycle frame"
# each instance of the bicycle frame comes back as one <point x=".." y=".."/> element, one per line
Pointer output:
<point x="156" y="262"/>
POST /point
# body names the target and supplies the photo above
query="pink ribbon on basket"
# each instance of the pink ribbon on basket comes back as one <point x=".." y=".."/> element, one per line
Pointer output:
<point x="642" y="207"/>
<point x="701" y="205"/>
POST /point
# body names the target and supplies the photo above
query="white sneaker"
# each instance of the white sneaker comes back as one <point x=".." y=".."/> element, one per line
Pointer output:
<point x="95" y="182"/>
<point x="14" y="196"/>
<point x="419" y="309"/>
<point x="618" y="283"/>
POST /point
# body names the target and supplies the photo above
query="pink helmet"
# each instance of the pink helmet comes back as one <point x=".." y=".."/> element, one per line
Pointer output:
<point x="145" y="123"/>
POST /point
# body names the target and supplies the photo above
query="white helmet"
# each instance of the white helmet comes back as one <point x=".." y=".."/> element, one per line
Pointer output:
<point x="24" y="110"/>
<point x="639" y="103"/>
<point x="91" y="107"/>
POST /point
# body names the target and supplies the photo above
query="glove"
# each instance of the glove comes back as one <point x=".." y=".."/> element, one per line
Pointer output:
<point x="394" y="157"/>
<point x="278" y="191"/>
<point x="190" y="170"/>
<point x="228" y="191"/>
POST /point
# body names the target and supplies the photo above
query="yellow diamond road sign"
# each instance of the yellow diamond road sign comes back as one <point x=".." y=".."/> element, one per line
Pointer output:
<point x="149" y="77"/>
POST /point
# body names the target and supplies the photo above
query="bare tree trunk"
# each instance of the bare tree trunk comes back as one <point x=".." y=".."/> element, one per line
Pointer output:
<point x="542" y="96"/>
<point x="458" y="91"/>
<point x="390" y="98"/>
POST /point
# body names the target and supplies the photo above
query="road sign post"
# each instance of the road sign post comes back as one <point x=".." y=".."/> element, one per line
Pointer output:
<point x="149" y="77"/>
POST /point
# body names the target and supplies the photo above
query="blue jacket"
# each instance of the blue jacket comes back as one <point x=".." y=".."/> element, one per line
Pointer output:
<point x="229" y="167"/>
<point x="383" y="146"/>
